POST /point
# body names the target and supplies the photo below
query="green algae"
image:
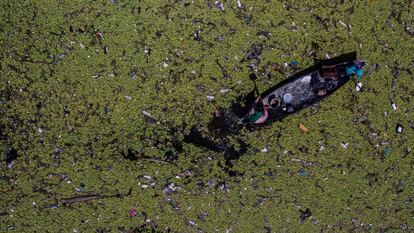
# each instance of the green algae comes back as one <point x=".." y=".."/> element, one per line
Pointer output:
<point x="62" y="91"/>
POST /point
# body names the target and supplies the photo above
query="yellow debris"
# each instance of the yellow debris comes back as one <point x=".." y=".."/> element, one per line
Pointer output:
<point x="303" y="128"/>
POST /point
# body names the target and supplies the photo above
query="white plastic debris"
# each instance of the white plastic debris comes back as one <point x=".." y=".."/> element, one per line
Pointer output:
<point x="210" y="98"/>
<point x="265" y="150"/>
<point x="343" y="24"/>
<point x="82" y="45"/>
<point x="358" y="86"/>
<point x="147" y="177"/>
<point x="345" y="145"/>
<point x="239" y="5"/>
<point x="394" y="106"/>
<point x="165" y="64"/>
<point x="40" y="130"/>
<point x="146" y="113"/>
<point x="127" y="97"/>
<point x="220" y="5"/>
<point x="399" y="129"/>
<point x="223" y="91"/>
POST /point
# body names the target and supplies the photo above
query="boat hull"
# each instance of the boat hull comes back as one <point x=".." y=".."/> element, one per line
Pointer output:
<point x="302" y="89"/>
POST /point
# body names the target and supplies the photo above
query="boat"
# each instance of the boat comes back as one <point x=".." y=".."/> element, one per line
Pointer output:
<point x="303" y="89"/>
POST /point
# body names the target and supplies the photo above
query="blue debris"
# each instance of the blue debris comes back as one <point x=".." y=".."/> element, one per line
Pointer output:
<point x="387" y="151"/>
<point x="303" y="172"/>
<point x="293" y="63"/>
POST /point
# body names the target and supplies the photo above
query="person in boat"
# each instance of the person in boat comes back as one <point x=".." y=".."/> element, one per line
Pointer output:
<point x="273" y="101"/>
<point x="260" y="112"/>
<point x="318" y="85"/>
<point x="329" y="72"/>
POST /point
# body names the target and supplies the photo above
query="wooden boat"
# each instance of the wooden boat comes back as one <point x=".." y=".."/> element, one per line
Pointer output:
<point x="303" y="89"/>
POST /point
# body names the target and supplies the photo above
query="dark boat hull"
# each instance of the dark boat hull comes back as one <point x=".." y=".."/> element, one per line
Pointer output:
<point x="299" y="87"/>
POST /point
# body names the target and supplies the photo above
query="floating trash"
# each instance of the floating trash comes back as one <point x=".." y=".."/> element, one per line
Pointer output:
<point x="303" y="172"/>
<point x="399" y="129"/>
<point x="169" y="189"/>
<point x="387" y="151"/>
<point x="210" y="97"/>
<point x="394" y="106"/>
<point x="305" y="214"/>
<point x="358" y="86"/>
<point x="133" y="212"/>
<point x="223" y="91"/>
<point x="11" y="155"/>
<point x="293" y="63"/>
<point x="303" y="128"/>
<point x="196" y="35"/>
<point x="147" y="177"/>
<point x="220" y="5"/>
<point x="239" y="5"/>
<point x="264" y="33"/>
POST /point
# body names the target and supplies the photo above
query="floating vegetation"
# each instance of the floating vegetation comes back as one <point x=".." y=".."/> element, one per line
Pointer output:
<point x="121" y="116"/>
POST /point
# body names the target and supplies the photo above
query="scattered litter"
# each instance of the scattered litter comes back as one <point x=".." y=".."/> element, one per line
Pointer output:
<point x="220" y="5"/>
<point x="223" y="91"/>
<point x="147" y="177"/>
<point x="399" y="129"/>
<point x="144" y="186"/>
<point x="82" y="45"/>
<point x="345" y="145"/>
<point x="264" y="33"/>
<point x="343" y="24"/>
<point x="265" y="150"/>
<point x="303" y="128"/>
<point x="303" y="172"/>
<point x="210" y="98"/>
<point x="239" y="5"/>
<point x="169" y="189"/>
<point x="321" y="147"/>
<point x="305" y="214"/>
<point x="165" y="64"/>
<point x="106" y="49"/>
<point x="147" y="114"/>
<point x="292" y="63"/>
<point x="40" y="130"/>
<point x="11" y="155"/>
<point x="133" y="212"/>
<point x="327" y="56"/>
<point x="358" y="86"/>
<point x="394" y="106"/>
<point x="387" y="151"/>
<point x="306" y="162"/>
<point x="196" y="35"/>
<point x="127" y="97"/>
